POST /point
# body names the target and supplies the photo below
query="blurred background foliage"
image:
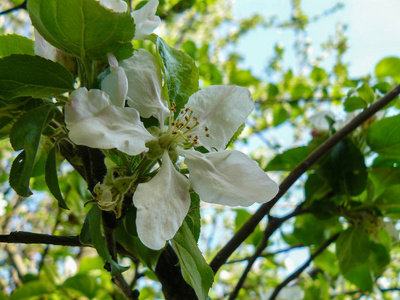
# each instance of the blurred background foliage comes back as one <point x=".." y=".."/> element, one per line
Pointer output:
<point x="349" y="191"/>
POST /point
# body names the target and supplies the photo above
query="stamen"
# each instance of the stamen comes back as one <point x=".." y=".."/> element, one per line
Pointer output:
<point x="173" y="104"/>
<point x="206" y="128"/>
<point x="207" y="135"/>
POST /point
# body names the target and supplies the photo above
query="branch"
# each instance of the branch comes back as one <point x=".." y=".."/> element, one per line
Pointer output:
<point x="21" y="6"/>
<point x="266" y="254"/>
<point x="23" y="237"/>
<point x="303" y="267"/>
<point x="251" y="224"/>
<point x="273" y="225"/>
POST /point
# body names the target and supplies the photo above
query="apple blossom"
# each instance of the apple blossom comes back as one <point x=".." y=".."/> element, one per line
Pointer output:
<point x="100" y="119"/>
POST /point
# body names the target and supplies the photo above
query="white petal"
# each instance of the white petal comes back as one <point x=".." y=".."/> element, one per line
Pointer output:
<point x="118" y="6"/>
<point x="43" y="48"/>
<point x="320" y="122"/>
<point x="93" y="121"/>
<point x="115" y="84"/>
<point x="228" y="177"/>
<point x="146" y="20"/>
<point x="222" y="109"/>
<point x="162" y="204"/>
<point x="144" y="85"/>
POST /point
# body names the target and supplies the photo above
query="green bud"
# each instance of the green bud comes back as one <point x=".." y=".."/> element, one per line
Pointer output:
<point x="155" y="150"/>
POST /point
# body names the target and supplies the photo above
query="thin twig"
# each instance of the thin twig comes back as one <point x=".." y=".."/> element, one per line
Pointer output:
<point x="253" y="221"/>
<point x="266" y="254"/>
<point x="297" y="273"/>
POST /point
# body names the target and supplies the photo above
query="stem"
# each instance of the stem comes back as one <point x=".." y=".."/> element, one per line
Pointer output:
<point x="253" y="221"/>
<point x="303" y="267"/>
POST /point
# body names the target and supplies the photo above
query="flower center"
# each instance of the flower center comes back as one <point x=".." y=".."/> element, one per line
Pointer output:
<point x="182" y="128"/>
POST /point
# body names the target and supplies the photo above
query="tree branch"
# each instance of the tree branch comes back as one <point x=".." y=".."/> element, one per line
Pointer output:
<point x="273" y="225"/>
<point x="303" y="267"/>
<point x="266" y="254"/>
<point x="251" y="224"/>
<point x="23" y="237"/>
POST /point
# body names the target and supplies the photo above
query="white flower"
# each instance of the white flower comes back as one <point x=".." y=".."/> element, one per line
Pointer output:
<point x="211" y="116"/>
<point x="320" y="121"/>
<point x="146" y="20"/>
<point x="118" y="6"/>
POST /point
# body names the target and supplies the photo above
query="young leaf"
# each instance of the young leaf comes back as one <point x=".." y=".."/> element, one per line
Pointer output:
<point x="83" y="28"/>
<point x="353" y="103"/>
<point x="287" y="160"/>
<point x="25" y="134"/>
<point x="181" y="73"/>
<point x="15" y="44"/>
<point x="26" y="75"/>
<point x="352" y="248"/>
<point x="389" y="66"/>
<point x="383" y="137"/>
<point x="366" y="93"/>
<point x="99" y="242"/>
<point x="194" y="268"/>
<point x="52" y="178"/>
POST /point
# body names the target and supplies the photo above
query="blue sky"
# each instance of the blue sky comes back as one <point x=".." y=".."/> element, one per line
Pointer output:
<point x="372" y="31"/>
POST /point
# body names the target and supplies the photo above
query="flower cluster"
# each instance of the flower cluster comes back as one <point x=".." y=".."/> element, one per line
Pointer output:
<point x="110" y="118"/>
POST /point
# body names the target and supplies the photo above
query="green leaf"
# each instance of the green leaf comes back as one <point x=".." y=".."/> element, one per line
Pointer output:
<point x="129" y="221"/>
<point x="384" y="173"/>
<point x="181" y="74"/>
<point x="366" y="93"/>
<point x="242" y="216"/>
<point x="389" y="66"/>
<point x="52" y="178"/>
<point x="308" y="230"/>
<point x="211" y="73"/>
<point x="344" y="169"/>
<point x="193" y="217"/>
<point x="361" y="276"/>
<point x="84" y="236"/>
<point x="353" y="103"/>
<point x="99" y="242"/>
<point x="25" y="134"/>
<point x="133" y="245"/>
<point x="82" y="283"/>
<point x="31" y="289"/>
<point x="280" y="114"/>
<point x="243" y="78"/>
<point x="315" y="188"/>
<point x="287" y="160"/>
<point x="383" y="137"/>
<point x="318" y="75"/>
<point x="26" y="75"/>
<point x="194" y="268"/>
<point x="272" y="91"/>
<point x="15" y="44"/>
<point x="83" y="28"/>
<point x="389" y="201"/>
<point x="352" y="248"/>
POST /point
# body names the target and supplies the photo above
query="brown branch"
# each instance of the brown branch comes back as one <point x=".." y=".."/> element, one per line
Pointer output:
<point x="266" y="254"/>
<point x="251" y="224"/>
<point x="297" y="273"/>
<point x="273" y="225"/>
<point x="23" y="237"/>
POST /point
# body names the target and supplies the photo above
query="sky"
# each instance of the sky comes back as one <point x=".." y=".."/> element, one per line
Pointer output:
<point x="372" y="31"/>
